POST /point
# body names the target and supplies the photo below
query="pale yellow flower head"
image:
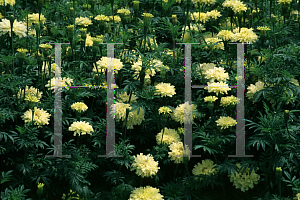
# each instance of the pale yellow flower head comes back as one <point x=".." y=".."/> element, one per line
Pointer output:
<point x="219" y="87"/>
<point x="245" y="35"/>
<point x="203" y="17"/>
<point x="145" y="193"/>
<point x="244" y="181"/>
<point x="177" y="152"/>
<point x="18" y="28"/>
<point x="165" y="89"/>
<point x="225" y="35"/>
<point x="79" y="107"/>
<point x="40" y="117"/>
<point x="179" y="113"/>
<point x="34" y="18"/>
<point x="101" y="18"/>
<point x="170" y="136"/>
<point x="83" y="21"/>
<point x="46" y="46"/>
<point x="214" y="14"/>
<point x="164" y="110"/>
<point x="8" y="2"/>
<point x="252" y="89"/>
<point x="210" y="99"/>
<point x="108" y="63"/>
<point x="117" y="18"/>
<point x="145" y="166"/>
<point x="215" y="42"/>
<point x="81" y="127"/>
<point x="230" y="100"/>
<point x="206" y="168"/>
<point x="124" y="11"/>
<point x="284" y="1"/>
<point x="263" y="28"/>
<point x="62" y="82"/>
<point x="31" y="94"/>
<point x="218" y="73"/>
<point x="21" y="50"/>
<point x="225" y="122"/>
<point x="124" y="98"/>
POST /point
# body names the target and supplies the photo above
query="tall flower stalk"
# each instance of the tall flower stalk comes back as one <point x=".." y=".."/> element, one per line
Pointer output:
<point x="12" y="19"/>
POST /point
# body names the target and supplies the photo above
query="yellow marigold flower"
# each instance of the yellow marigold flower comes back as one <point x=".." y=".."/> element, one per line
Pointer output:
<point x="263" y="28"/>
<point x="203" y="17"/>
<point x="32" y="99"/>
<point x="40" y="117"/>
<point x="218" y="73"/>
<point x="7" y="2"/>
<point x="244" y="181"/>
<point x="245" y="35"/>
<point x="207" y="2"/>
<point x="81" y="127"/>
<point x="84" y="21"/>
<point x="79" y="106"/>
<point x="178" y="114"/>
<point x="29" y="93"/>
<point x="134" y="118"/>
<point x="65" y="82"/>
<point x="178" y="151"/>
<point x="117" y="18"/>
<point x="219" y="87"/>
<point x="210" y="99"/>
<point x="206" y="168"/>
<point x="217" y="43"/>
<point x="170" y="136"/>
<point x="101" y="18"/>
<point x="18" y="28"/>
<point x="230" y="100"/>
<point x="46" y="46"/>
<point x="158" y="64"/>
<point x="108" y="63"/>
<point x="252" y="89"/>
<point x="225" y="35"/>
<point x="34" y="18"/>
<point x="164" y="110"/>
<point x="145" y="166"/>
<point x="21" y="50"/>
<point x="153" y="44"/>
<point x="165" y="89"/>
<point x="284" y="1"/>
<point x="124" y="11"/>
<point x="146" y="193"/>
<point x="46" y="68"/>
<point x="214" y="14"/>
<point x="225" y="122"/>
<point x="235" y="5"/>
<point x="123" y="98"/>
<point x="298" y="196"/>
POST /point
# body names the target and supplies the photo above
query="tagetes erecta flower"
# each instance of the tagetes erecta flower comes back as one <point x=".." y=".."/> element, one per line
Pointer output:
<point x="40" y="117"/>
<point x="124" y="98"/>
<point x="230" y="100"/>
<point x="7" y="2"/>
<point x="145" y="193"/>
<point x="178" y="114"/>
<point x="62" y="82"/>
<point x="31" y="94"/>
<point x="178" y="151"/>
<point x="79" y="107"/>
<point x="244" y="181"/>
<point x="206" y="168"/>
<point x="252" y="89"/>
<point x="170" y="136"/>
<point x="165" y="89"/>
<point x="18" y="28"/>
<point x="219" y="87"/>
<point x="83" y="21"/>
<point x="210" y="99"/>
<point x="81" y="127"/>
<point x="225" y="122"/>
<point x="145" y="166"/>
<point x="108" y="63"/>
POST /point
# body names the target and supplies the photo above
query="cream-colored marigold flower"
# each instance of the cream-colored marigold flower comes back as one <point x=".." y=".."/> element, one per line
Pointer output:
<point x="170" y="136"/>
<point x="153" y="44"/>
<point x="236" y="5"/>
<point x="88" y="40"/>
<point x="225" y="35"/>
<point x="164" y="110"/>
<point x="8" y="2"/>
<point x="46" y="46"/>
<point x="244" y="181"/>
<point x="116" y="18"/>
<point x="225" y="122"/>
<point x="219" y="87"/>
<point x="245" y="35"/>
<point x="214" y="14"/>
<point x="206" y="168"/>
<point x="46" y="68"/>
<point x="145" y="166"/>
<point x="18" y="28"/>
<point x="178" y="151"/>
<point x="210" y="99"/>
<point x="21" y="50"/>
<point x="179" y="113"/>
<point x="203" y="17"/>
<point x="124" y="11"/>
<point x="81" y="127"/>
<point x="30" y="93"/>
<point x="165" y="89"/>
<point x="101" y="18"/>
<point x="284" y="1"/>
<point x="216" y="42"/>
<point x="79" y="106"/>
<point x="145" y="193"/>
<point x="83" y="21"/>
<point x="34" y="18"/>
<point x="65" y="82"/>
<point x="252" y="89"/>
<point x="218" y="73"/>
<point x="40" y="117"/>
<point x="108" y="63"/>
<point x="147" y="15"/>
<point x="207" y="2"/>
<point x="124" y="98"/>
<point x="263" y="28"/>
<point x="298" y="196"/>
<point x="230" y="100"/>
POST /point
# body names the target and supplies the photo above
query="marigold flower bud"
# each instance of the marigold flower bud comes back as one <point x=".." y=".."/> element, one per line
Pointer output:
<point x="174" y="19"/>
<point x="286" y="114"/>
<point x="136" y="5"/>
<point x="278" y="172"/>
